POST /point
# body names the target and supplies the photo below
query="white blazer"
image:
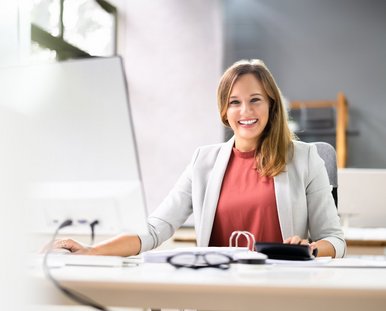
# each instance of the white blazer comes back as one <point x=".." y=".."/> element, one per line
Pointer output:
<point x="303" y="197"/>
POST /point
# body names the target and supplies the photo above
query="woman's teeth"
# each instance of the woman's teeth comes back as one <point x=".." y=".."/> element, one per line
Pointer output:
<point x="248" y="122"/>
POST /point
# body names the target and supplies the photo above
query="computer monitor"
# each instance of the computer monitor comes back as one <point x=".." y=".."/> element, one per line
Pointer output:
<point x="362" y="197"/>
<point x="80" y="145"/>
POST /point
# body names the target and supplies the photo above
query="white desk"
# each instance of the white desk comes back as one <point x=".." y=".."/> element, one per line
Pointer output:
<point x="264" y="288"/>
<point x="360" y="241"/>
<point x="365" y="241"/>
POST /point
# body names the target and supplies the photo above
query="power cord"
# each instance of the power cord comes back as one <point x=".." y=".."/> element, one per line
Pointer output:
<point x="72" y="294"/>
<point x="92" y="226"/>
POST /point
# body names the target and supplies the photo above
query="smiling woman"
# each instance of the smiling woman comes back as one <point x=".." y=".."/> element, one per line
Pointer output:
<point x="247" y="93"/>
<point x="261" y="180"/>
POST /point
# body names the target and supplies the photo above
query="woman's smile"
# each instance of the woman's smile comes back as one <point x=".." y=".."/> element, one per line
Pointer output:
<point x="248" y="123"/>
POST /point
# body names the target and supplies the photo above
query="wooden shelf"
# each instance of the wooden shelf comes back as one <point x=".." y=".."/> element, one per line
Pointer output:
<point x="341" y="123"/>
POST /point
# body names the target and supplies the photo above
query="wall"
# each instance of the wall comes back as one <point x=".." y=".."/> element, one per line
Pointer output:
<point x="317" y="48"/>
<point x="9" y="43"/>
<point x="173" y="55"/>
<point x="14" y="168"/>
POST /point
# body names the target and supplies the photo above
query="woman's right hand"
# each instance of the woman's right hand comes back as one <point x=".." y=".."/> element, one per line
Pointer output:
<point x="72" y="246"/>
<point x="121" y="245"/>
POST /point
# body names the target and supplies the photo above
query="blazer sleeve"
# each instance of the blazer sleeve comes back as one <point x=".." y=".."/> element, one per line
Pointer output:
<point x="323" y="218"/>
<point x="173" y="211"/>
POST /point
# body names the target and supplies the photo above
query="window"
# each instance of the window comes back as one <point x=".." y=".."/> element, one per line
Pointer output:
<point x="63" y="29"/>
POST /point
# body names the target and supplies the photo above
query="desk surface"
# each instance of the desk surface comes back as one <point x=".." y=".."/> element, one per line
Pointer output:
<point x="351" y="234"/>
<point x="257" y="287"/>
<point x="365" y="234"/>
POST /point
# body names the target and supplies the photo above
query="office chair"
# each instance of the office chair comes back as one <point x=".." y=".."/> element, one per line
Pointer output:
<point x="328" y="155"/>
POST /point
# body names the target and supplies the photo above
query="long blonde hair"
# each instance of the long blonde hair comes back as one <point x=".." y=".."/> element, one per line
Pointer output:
<point x="276" y="146"/>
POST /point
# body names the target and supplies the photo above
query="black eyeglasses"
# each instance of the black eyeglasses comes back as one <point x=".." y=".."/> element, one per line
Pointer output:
<point x="199" y="261"/>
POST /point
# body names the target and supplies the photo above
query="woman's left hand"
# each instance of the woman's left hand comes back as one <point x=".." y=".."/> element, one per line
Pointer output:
<point x="298" y="240"/>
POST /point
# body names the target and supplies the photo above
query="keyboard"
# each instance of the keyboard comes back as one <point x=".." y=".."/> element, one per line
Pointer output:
<point x="59" y="260"/>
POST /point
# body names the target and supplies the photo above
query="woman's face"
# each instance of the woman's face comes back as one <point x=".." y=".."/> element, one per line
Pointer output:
<point x="248" y="111"/>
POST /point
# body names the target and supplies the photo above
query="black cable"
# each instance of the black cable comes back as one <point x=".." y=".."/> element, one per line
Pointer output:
<point x="72" y="294"/>
<point x="92" y="226"/>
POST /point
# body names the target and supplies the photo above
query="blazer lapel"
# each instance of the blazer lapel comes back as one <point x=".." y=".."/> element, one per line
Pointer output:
<point x="212" y="193"/>
<point x="283" y="202"/>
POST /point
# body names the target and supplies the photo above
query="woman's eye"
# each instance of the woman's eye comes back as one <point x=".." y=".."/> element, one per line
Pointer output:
<point x="255" y="100"/>
<point x="234" y="102"/>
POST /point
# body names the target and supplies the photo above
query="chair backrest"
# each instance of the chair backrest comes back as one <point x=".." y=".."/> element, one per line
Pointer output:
<point x="328" y="154"/>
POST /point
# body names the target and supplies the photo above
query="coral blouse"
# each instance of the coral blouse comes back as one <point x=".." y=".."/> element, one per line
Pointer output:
<point x="247" y="202"/>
